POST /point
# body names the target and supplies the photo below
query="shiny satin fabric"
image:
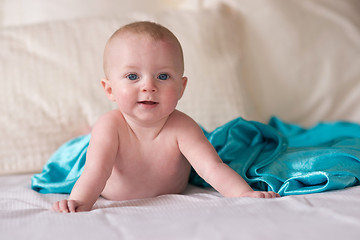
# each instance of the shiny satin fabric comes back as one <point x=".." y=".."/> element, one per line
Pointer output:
<point x="63" y="168"/>
<point x="277" y="156"/>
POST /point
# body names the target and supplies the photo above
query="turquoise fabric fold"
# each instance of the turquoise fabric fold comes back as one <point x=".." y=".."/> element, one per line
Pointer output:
<point x="278" y="156"/>
<point x="63" y="168"/>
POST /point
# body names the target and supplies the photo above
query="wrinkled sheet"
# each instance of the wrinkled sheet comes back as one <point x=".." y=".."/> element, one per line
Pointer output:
<point x="277" y="156"/>
<point x="197" y="214"/>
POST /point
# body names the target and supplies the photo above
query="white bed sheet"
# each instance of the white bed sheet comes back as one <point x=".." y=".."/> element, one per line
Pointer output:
<point x="197" y="214"/>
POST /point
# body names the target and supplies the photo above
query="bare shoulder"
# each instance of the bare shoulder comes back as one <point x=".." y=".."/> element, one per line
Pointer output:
<point x="104" y="141"/>
<point x="110" y="119"/>
<point x="108" y="125"/>
<point x="181" y="120"/>
<point x="184" y="125"/>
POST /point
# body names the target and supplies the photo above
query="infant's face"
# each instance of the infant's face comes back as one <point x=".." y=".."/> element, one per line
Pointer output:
<point x="145" y="77"/>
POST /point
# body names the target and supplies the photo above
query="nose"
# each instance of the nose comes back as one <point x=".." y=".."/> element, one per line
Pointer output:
<point x="149" y="85"/>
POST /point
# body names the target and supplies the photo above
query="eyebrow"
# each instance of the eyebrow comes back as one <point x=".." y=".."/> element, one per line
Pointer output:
<point x="130" y="66"/>
<point x="163" y="68"/>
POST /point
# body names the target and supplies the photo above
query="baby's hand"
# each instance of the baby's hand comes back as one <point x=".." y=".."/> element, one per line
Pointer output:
<point x="260" y="194"/>
<point x="66" y="206"/>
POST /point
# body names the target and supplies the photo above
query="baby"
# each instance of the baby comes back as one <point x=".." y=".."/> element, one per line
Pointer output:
<point x="146" y="147"/>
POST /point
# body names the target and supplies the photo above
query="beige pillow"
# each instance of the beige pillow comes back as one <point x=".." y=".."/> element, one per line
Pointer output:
<point x="50" y="79"/>
<point x="20" y="12"/>
<point x="301" y="59"/>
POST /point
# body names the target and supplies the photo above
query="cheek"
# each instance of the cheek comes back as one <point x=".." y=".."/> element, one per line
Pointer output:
<point x="123" y="91"/>
<point x="179" y="93"/>
<point x="124" y="95"/>
<point x="172" y="95"/>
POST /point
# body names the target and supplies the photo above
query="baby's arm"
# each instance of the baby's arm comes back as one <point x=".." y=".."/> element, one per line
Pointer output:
<point x="207" y="163"/>
<point x="100" y="159"/>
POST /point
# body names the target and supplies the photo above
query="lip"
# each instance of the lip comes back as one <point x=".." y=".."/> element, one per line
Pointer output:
<point x="148" y="104"/>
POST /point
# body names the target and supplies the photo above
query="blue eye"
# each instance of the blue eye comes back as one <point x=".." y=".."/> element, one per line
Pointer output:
<point x="132" y="76"/>
<point x="163" y="76"/>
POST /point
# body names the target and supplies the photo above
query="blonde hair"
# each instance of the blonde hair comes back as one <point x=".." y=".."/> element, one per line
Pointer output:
<point x="153" y="30"/>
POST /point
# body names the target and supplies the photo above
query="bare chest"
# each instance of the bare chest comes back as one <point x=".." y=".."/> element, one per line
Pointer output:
<point x="153" y="155"/>
<point x="148" y="170"/>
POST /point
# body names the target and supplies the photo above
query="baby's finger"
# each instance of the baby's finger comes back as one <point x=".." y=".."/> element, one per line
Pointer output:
<point x="258" y="194"/>
<point x="56" y="207"/>
<point x="269" y="194"/>
<point x="63" y="204"/>
<point x="71" y="206"/>
<point x="274" y="194"/>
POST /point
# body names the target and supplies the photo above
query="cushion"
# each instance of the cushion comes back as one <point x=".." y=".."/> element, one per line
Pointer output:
<point x="301" y="59"/>
<point x="50" y="79"/>
<point x="20" y="12"/>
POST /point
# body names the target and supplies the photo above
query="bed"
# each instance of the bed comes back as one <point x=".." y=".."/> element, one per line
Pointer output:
<point x="197" y="214"/>
<point x="297" y="60"/>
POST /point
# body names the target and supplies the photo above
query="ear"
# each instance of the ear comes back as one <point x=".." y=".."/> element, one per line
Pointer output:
<point x="107" y="88"/>
<point x="184" y="83"/>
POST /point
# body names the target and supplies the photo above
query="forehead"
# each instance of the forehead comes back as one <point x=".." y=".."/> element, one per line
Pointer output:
<point x="127" y="40"/>
<point x="136" y="45"/>
<point x="142" y="44"/>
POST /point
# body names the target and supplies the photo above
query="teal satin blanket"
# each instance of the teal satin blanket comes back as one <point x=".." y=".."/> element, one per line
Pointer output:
<point x="277" y="156"/>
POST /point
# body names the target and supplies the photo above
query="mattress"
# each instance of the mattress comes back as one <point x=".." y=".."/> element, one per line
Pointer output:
<point x="196" y="214"/>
